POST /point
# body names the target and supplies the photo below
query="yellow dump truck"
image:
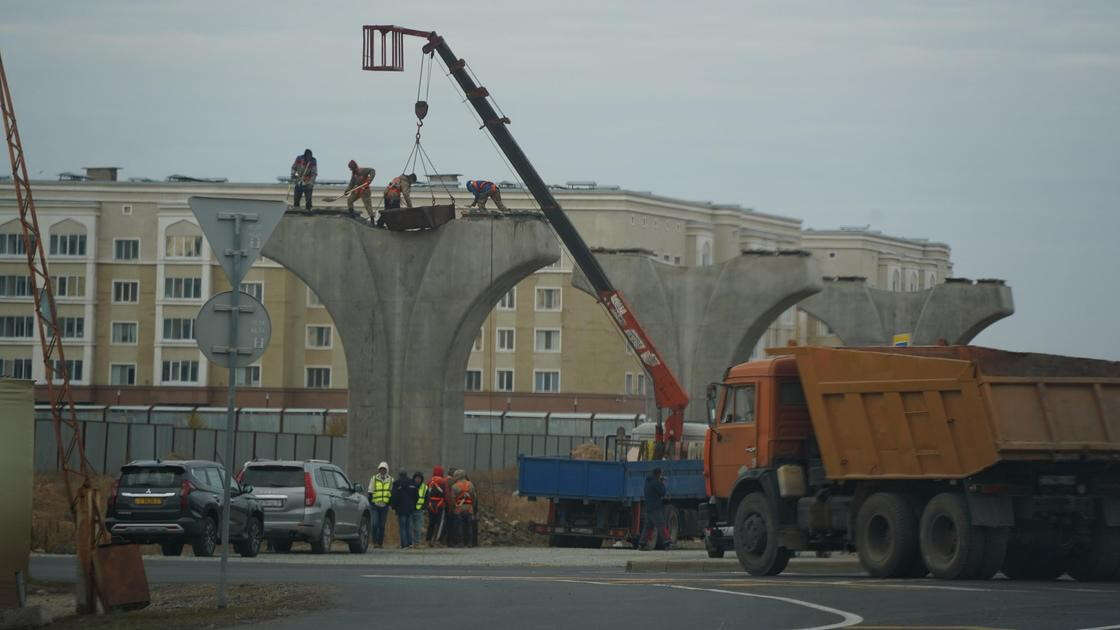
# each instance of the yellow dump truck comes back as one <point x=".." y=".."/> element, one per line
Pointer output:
<point x="959" y="461"/>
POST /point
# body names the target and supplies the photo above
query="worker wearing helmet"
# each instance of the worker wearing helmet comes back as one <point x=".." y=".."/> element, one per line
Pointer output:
<point x="398" y="189"/>
<point x="484" y="191"/>
<point x="360" y="179"/>
<point x="304" y="172"/>
<point x="462" y="506"/>
<point x="380" y="492"/>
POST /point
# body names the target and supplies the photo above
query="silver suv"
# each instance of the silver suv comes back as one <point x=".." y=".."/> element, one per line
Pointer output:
<point x="311" y="500"/>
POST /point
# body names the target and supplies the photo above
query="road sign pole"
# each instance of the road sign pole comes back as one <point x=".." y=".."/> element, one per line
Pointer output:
<point x="231" y="396"/>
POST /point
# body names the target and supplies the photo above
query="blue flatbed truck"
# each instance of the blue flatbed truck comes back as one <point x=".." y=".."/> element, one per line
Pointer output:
<point x="594" y="501"/>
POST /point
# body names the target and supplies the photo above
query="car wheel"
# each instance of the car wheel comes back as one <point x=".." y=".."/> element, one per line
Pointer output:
<point x="280" y="546"/>
<point x="361" y="545"/>
<point x="326" y="535"/>
<point x="207" y="540"/>
<point x="756" y="537"/>
<point x="172" y="549"/>
<point x="251" y="545"/>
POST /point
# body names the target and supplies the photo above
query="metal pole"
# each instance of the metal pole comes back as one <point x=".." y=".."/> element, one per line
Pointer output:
<point x="232" y="349"/>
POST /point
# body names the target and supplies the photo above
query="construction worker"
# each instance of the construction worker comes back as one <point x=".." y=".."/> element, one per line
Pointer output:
<point x="398" y="189"/>
<point x="437" y="506"/>
<point x="403" y="501"/>
<point x="483" y="191"/>
<point x="304" y="171"/>
<point x="360" y="179"/>
<point x="421" y="507"/>
<point x="654" y="507"/>
<point x="462" y="504"/>
<point x="380" y="492"/>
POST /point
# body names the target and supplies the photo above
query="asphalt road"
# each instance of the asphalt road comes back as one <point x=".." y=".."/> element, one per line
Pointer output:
<point x="383" y="595"/>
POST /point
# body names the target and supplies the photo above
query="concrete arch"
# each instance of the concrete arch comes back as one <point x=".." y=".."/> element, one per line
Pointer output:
<point x="705" y="319"/>
<point x="955" y="311"/>
<point x="415" y="301"/>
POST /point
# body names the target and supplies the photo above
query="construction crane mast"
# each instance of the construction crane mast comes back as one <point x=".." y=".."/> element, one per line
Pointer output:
<point x="85" y="504"/>
<point x="383" y="50"/>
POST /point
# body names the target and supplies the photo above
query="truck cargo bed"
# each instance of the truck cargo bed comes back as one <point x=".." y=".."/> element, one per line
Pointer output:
<point x="565" y="478"/>
<point x="950" y="412"/>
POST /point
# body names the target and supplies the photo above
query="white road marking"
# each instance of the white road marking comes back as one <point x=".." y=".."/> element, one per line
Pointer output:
<point x="847" y="618"/>
<point x="1102" y="627"/>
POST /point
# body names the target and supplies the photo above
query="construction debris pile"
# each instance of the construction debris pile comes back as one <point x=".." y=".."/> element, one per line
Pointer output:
<point x="496" y="532"/>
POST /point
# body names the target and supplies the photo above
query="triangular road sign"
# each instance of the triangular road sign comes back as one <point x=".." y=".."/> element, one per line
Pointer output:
<point x="218" y="216"/>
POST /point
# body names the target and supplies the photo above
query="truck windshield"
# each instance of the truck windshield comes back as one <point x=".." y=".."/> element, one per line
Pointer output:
<point x="790" y="393"/>
<point x="151" y="477"/>
<point x="274" y="476"/>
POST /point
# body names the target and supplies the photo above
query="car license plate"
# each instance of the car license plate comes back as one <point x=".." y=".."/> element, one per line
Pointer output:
<point x="272" y="503"/>
<point x="147" y="501"/>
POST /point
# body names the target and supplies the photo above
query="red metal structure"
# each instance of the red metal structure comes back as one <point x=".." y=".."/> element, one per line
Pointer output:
<point x="383" y="50"/>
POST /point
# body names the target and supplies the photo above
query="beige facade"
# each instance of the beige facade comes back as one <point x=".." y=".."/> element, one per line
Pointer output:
<point x="138" y="270"/>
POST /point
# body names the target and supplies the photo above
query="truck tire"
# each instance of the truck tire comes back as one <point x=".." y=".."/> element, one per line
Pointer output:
<point x="952" y="548"/>
<point x="1032" y="562"/>
<point x="1101" y="559"/>
<point x="756" y="537"/>
<point x="887" y="535"/>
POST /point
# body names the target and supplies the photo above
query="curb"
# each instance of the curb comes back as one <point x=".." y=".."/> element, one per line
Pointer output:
<point x="732" y="565"/>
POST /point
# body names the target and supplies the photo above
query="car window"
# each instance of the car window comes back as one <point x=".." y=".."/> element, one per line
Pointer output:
<point x="273" y="476"/>
<point x="214" y="477"/>
<point x="151" y="477"/>
<point x="740" y="404"/>
<point x="324" y="479"/>
<point x="342" y="482"/>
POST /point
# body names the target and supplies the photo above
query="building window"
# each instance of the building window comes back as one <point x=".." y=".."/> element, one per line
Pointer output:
<point x="68" y="245"/>
<point x="318" y="336"/>
<point x="124" y="333"/>
<point x="705" y="254"/>
<point x="896" y="280"/>
<point x="126" y="291"/>
<point x="508" y="301"/>
<point x="546" y="340"/>
<point x="126" y="249"/>
<point x="477" y="347"/>
<point x="505" y="340"/>
<point x="122" y="374"/>
<point x="17" y="326"/>
<point x="182" y="288"/>
<point x="15" y="286"/>
<point x="312" y="299"/>
<point x="183" y="246"/>
<point x="255" y="289"/>
<point x="73" y="367"/>
<point x="546" y="381"/>
<point x="635" y="384"/>
<point x="930" y="281"/>
<point x="11" y="244"/>
<point x="318" y="377"/>
<point x="473" y="381"/>
<point x="72" y="327"/>
<point x="249" y="376"/>
<point x="180" y="372"/>
<point x="548" y="299"/>
<point x="69" y="286"/>
<point x="503" y="380"/>
<point x="16" y="368"/>
<point x="178" y="328"/>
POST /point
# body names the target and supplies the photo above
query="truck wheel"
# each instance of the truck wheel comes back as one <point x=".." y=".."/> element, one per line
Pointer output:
<point x="1031" y="562"/>
<point x="887" y="535"/>
<point x="995" y="551"/>
<point x="952" y="547"/>
<point x="756" y="537"/>
<point x="1101" y="559"/>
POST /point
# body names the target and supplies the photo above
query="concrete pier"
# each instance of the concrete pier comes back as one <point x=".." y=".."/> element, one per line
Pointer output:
<point x="955" y="311"/>
<point x="408" y="306"/>
<point x="704" y="319"/>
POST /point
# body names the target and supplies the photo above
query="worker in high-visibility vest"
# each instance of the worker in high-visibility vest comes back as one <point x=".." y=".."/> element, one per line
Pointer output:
<point x="380" y="491"/>
<point x="421" y="507"/>
<point x="462" y="506"/>
<point x="483" y="191"/>
<point x="437" y="507"/>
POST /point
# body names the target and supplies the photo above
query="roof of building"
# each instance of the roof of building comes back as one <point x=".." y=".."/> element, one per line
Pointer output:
<point x="866" y="231"/>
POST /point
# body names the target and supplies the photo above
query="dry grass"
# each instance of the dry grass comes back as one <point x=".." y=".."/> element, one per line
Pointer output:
<point x="588" y="451"/>
<point x="52" y="528"/>
<point x="335" y="426"/>
<point x="183" y="606"/>
<point x="495" y="490"/>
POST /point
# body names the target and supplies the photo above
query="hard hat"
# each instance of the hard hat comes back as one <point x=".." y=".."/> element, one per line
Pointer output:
<point x="384" y="465"/>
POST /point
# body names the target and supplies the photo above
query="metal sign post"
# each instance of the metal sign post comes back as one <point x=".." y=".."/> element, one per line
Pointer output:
<point x="237" y="230"/>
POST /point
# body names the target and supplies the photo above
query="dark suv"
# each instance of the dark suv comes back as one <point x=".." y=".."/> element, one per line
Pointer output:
<point x="177" y="502"/>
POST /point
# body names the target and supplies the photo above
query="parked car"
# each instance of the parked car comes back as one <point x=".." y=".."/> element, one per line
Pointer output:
<point x="177" y="502"/>
<point x="312" y="501"/>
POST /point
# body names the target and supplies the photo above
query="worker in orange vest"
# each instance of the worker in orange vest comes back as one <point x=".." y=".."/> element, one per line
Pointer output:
<point x="358" y="188"/>
<point x="437" y="507"/>
<point x="397" y="189"/>
<point x="462" y="504"/>
<point x="483" y="191"/>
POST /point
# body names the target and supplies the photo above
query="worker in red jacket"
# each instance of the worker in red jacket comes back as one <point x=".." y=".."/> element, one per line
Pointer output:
<point x="484" y="191"/>
<point x="438" y="519"/>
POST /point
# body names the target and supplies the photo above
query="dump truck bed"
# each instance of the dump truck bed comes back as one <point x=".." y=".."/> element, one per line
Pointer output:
<point x="951" y="412"/>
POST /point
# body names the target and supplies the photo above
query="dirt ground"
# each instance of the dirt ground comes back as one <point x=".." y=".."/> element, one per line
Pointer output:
<point x="182" y="606"/>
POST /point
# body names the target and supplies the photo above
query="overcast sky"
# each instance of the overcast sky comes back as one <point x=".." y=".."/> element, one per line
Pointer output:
<point x="994" y="127"/>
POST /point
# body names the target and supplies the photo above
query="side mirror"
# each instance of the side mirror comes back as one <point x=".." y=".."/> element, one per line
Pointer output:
<point x="359" y="488"/>
<point x="711" y="402"/>
<point x="247" y="489"/>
